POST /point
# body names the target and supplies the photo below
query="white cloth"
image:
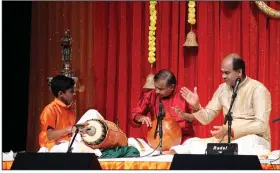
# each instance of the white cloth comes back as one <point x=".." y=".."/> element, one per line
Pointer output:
<point x="247" y="145"/>
<point x="145" y="149"/>
<point x="274" y="155"/>
<point x="8" y="156"/>
<point x="89" y="115"/>
<point x="43" y="150"/>
<point x="78" y="145"/>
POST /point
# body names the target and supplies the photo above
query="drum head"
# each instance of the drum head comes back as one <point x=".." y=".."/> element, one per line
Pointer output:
<point x="100" y="132"/>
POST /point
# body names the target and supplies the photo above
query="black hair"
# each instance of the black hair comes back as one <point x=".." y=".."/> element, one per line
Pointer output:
<point x="61" y="83"/>
<point x="238" y="63"/>
<point x="165" y="75"/>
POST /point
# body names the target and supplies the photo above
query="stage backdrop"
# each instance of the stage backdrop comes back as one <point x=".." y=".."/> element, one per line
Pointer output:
<point x="110" y="48"/>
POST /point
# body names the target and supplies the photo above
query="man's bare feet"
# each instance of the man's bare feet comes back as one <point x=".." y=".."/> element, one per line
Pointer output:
<point x="171" y="152"/>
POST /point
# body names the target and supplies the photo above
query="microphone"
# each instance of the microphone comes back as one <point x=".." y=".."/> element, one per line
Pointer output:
<point x="275" y="120"/>
<point x="161" y="109"/>
<point x="237" y="82"/>
<point x="160" y="117"/>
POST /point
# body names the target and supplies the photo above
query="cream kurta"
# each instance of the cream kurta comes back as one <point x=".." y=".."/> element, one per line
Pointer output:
<point x="250" y="111"/>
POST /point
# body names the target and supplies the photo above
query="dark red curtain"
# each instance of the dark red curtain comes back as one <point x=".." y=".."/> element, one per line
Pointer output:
<point x="110" y="53"/>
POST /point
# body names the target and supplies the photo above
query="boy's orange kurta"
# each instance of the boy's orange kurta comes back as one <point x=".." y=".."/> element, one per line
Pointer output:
<point x="57" y="116"/>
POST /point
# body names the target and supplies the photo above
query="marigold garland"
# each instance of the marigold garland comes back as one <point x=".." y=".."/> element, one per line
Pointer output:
<point x="191" y="15"/>
<point x="268" y="10"/>
<point x="152" y="32"/>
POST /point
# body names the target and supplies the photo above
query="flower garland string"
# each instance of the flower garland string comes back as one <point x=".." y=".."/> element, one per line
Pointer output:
<point x="152" y="33"/>
<point x="191" y="14"/>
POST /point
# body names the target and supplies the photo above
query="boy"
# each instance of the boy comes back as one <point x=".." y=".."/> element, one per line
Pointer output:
<point x="58" y="118"/>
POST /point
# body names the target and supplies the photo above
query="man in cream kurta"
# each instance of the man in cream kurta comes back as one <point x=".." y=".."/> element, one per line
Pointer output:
<point x="250" y="112"/>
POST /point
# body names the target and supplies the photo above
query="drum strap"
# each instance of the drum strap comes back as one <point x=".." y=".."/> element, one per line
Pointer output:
<point x="140" y="144"/>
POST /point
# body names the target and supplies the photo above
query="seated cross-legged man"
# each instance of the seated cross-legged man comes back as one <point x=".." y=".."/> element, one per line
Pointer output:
<point x="165" y="92"/>
<point x="250" y="112"/>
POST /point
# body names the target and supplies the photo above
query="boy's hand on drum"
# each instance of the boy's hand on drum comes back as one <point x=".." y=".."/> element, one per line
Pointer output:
<point x="146" y="120"/>
<point x="82" y="131"/>
<point x="86" y="124"/>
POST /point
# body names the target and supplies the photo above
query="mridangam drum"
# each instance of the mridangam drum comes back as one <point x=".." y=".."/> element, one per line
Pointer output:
<point x="103" y="134"/>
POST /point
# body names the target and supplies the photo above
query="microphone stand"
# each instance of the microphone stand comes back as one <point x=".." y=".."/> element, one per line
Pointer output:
<point x="69" y="150"/>
<point x="228" y="117"/>
<point x="159" y="130"/>
<point x="229" y="148"/>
